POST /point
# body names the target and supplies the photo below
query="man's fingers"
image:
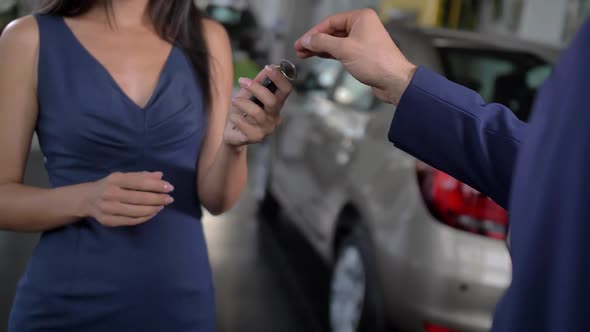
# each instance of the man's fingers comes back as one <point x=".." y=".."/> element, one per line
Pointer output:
<point x="325" y="44"/>
<point x="337" y="23"/>
<point x="308" y="54"/>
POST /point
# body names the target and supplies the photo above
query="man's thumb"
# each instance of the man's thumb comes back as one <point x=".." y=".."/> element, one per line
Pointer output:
<point x="324" y="43"/>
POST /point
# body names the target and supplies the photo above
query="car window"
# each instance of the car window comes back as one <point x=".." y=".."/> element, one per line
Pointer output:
<point x="327" y="71"/>
<point x="352" y="93"/>
<point x="511" y="79"/>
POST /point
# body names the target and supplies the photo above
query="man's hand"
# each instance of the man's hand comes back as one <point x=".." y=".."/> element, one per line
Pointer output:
<point x="361" y="43"/>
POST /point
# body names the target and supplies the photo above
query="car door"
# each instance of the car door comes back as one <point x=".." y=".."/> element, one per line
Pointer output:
<point x="337" y="124"/>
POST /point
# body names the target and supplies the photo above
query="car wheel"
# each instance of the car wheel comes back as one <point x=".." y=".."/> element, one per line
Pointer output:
<point x="354" y="301"/>
<point x="269" y="208"/>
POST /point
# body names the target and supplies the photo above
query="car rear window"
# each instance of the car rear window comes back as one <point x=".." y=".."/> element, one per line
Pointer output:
<point x="509" y="78"/>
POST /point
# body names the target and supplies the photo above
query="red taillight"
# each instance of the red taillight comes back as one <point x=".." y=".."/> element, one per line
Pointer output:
<point x="459" y="206"/>
<point x="436" y="328"/>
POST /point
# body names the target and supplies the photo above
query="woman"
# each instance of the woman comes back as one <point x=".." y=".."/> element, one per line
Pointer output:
<point x="131" y="103"/>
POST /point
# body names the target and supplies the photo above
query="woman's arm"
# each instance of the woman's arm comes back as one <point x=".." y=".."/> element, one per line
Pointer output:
<point x="25" y="208"/>
<point x="222" y="169"/>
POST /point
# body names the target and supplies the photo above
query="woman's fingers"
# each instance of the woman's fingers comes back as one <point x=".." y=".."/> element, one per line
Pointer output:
<point x="129" y="210"/>
<point x="142" y="198"/>
<point x="272" y="101"/>
<point x="267" y="98"/>
<point x="252" y="133"/>
<point x="249" y="123"/>
<point x="252" y="111"/>
<point x="126" y="199"/>
<point x="284" y="86"/>
<point x="142" y="181"/>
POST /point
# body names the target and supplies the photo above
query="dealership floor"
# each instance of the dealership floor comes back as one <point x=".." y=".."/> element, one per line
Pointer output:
<point x="266" y="278"/>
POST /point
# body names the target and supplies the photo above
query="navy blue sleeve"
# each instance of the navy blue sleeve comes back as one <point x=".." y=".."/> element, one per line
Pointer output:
<point x="452" y="129"/>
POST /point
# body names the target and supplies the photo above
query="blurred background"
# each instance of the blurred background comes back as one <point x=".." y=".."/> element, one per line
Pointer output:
<point x="338" y="230"/>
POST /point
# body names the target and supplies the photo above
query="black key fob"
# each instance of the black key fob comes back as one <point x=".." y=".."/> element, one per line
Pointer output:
<point x="289" y="71"/>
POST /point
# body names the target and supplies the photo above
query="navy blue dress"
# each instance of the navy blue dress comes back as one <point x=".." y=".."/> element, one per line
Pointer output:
<point x="86" y="277"/>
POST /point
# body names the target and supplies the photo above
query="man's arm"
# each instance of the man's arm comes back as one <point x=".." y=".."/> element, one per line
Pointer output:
<point x="442" y="123"/>
<point x="451" y="128"/>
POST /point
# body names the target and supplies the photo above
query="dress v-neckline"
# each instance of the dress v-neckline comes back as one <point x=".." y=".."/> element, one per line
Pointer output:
<point x="111" y="78"/>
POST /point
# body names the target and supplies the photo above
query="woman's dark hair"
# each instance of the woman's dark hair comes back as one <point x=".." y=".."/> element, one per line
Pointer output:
<point x="179" y="22"/>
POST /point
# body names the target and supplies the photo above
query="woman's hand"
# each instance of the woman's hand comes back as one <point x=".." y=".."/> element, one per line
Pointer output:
<point x="128" y="199"/>
<point x="249" y="123"/>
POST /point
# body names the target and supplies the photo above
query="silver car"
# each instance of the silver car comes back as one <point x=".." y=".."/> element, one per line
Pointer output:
<point x="410" y="248"/>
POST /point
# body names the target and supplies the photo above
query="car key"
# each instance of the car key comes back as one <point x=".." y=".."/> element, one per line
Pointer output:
<point x="288" y="70"/>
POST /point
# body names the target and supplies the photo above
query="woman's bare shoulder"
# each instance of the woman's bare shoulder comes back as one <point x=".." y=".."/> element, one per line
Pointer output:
<point x="214" y="32"/>
<point x="19" y="51"/>
<point x="217" y="40"/>
<point x="20" y="36"/>
<point x="22" y="32"/>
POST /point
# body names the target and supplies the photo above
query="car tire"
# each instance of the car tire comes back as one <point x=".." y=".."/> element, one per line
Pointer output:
<point x="354" y="302"/>
<point x="269" y="208"/>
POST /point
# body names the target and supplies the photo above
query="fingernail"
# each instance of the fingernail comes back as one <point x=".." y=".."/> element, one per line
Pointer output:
<point x="169" y="199"/>
<point x="268" y="68"/>
<point x="161" y="208"/>
<point x="168" y="187"/>
<point x="245" y="81"/>
<point x="306" y="42"/>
